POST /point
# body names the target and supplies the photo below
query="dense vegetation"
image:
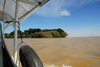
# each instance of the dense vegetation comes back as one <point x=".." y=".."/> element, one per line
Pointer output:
<point x="38" y="33"/>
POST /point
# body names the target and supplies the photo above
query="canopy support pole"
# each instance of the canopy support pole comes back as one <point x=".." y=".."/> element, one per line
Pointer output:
<point x="15" y="32"/>
<point x="4" y="29"/>
<point x="9" y="25"/>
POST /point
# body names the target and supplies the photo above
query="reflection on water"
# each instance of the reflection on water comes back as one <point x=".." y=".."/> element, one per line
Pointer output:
<point x="70" y="51"/>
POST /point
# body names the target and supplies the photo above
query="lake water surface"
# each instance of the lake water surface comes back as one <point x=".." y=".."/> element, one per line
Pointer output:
<point x="70" y="51"/>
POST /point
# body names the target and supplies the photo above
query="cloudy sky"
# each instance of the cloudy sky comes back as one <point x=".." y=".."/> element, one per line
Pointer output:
<point x="79" y="18"/>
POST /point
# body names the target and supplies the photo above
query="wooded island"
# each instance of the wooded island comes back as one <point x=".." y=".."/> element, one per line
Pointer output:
<point x="38" y="33"/>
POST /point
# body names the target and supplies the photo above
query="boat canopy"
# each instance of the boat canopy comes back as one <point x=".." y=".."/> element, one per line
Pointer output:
<point x="15" y="10"/>
<point x="7" y="8"/>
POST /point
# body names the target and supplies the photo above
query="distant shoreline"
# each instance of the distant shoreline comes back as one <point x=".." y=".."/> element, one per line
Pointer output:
<point x="54" y="38"/>
<point x="91" y="36"/>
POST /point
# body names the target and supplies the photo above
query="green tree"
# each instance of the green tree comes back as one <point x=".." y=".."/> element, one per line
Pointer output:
<point x="7" y="35"/>
<point x="23" y="35"/>
<point x="60" y="30"/>
<point x="56" y="34"/>
<point x="64" y="34"/>
<point x="38" y="33"/>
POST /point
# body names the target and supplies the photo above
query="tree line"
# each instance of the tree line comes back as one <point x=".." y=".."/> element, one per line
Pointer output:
<point x="38" y="33"/>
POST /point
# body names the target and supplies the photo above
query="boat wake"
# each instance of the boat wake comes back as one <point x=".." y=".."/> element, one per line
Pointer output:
<point x="46" y="65"/>
<point x="56" y="66"/>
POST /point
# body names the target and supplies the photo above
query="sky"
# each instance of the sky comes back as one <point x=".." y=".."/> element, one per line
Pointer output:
<point x="79" y="18"/>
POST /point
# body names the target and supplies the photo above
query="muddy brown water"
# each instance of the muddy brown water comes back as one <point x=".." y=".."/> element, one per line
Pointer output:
<point x="71" y="51"/>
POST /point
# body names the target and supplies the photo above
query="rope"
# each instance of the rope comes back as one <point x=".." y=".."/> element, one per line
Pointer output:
<point x="20" y="44"/>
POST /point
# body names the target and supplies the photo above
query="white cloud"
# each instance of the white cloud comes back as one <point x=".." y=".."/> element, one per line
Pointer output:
<point x="54" y="7"/>
<point x="50" y="9"/>
<point x="65" y="13"/>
